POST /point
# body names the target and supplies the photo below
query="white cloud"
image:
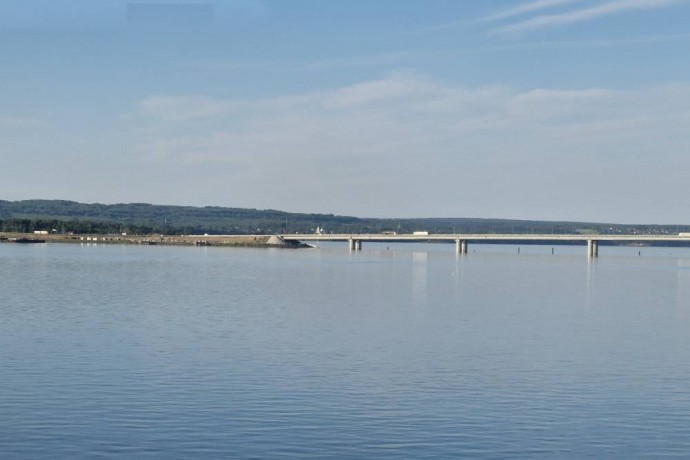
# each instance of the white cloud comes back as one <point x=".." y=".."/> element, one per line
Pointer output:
<point x="402" y="114"/>
<point x="396" y="146"/>
<point x="584" y="14"/>
<point x="373" y="92"/>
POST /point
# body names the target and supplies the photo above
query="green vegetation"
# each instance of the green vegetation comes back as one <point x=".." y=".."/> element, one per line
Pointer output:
<point x="141" y="218"/>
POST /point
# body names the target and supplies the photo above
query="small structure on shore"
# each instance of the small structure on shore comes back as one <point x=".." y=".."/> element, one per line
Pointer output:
<point x="277" y="240"/>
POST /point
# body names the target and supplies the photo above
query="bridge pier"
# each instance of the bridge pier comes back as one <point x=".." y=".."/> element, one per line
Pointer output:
<point x="461" y="246"/>
<point x="462" y="240"/>
<point x="592" y="248"/>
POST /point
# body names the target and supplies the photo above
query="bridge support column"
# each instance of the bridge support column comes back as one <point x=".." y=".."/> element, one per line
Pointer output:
<point x="461" y="246"/>
<point x="355" y="245"/>
<point x="351" y="243"/>
<point x="592" y="248"/>
<point x="358" y="245"/>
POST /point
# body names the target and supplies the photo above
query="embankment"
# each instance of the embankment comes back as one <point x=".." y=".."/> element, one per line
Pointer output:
<point x="172" y="240"/>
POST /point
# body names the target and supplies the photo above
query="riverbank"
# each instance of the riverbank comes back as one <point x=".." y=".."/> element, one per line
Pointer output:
<point x="171" y="240"/>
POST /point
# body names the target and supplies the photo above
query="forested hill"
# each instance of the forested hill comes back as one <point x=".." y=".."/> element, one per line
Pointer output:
<point x="70" y="216"/>
<point x="143" y="217"/>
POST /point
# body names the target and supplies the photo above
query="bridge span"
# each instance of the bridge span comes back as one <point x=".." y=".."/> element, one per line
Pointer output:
<point x="462" y="240"/>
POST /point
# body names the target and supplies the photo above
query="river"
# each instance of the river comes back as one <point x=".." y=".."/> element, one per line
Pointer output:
<point x="395" y="351"/>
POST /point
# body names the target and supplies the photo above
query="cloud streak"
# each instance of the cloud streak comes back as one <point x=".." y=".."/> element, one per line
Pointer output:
<point x="583" y="15"/>
<point x="536" y="5"/>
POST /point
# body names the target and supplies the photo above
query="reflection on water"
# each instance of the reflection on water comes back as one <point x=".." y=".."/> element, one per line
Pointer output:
<point x="419" y="277"/>
<point x="591" y="276"/>
<point x="395" y="351"/>
<point x="683" y="287"/>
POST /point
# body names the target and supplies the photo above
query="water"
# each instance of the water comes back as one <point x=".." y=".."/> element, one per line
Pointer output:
<point x="397" y="351"/>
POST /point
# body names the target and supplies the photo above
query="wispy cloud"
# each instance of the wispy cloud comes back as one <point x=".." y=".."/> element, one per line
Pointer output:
<point x="12" y="121"/>
<point x="536" y="5"/>
<point x="584" y="14"/>
<point x="179" y="108"/>
<point x="402" y="109"/>
<point x="400" y="141"/>
<point x="286" y="65"/>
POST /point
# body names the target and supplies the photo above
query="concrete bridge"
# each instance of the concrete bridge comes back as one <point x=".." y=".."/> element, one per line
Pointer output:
<point x="462" y="240"/>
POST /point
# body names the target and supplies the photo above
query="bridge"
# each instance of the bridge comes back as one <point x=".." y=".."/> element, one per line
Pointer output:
<point x="462" y="240"/>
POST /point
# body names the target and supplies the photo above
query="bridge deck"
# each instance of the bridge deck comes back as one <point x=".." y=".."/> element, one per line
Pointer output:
<point x="476" y="237"/>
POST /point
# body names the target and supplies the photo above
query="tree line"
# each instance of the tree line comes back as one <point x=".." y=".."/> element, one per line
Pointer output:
<point x="63" y="217"/>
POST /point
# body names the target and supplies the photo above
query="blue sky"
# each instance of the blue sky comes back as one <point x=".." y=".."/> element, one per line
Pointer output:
<point x="528" y="109"/>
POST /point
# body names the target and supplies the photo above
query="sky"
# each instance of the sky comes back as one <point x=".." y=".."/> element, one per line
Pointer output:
<point x="570" y="110"/>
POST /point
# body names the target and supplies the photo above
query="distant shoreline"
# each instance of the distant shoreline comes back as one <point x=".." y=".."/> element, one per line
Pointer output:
<point x="247" y="241"/>
<point x="166" y="240"/>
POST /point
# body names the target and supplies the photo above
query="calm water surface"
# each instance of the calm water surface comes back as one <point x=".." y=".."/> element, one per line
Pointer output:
<point x="398" y="351"/>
